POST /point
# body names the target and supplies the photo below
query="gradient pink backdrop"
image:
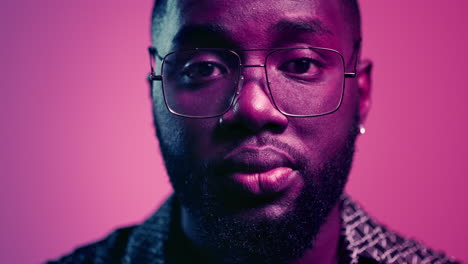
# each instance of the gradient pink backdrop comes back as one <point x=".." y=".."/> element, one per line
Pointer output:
<point x="78" y="157"/>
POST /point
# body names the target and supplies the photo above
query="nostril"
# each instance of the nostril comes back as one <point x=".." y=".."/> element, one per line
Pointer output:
<point x="274" y="127"/>
<point x="253" y="112"/>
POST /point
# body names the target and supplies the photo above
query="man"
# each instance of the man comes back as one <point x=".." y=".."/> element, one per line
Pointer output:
<point x="257" y="105"/>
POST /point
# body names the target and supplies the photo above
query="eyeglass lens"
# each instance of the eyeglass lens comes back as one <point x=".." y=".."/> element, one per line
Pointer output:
<point x="302" y="81"/>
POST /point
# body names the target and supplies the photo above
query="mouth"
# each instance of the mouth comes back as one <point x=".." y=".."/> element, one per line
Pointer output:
<point x="259" y="171"/>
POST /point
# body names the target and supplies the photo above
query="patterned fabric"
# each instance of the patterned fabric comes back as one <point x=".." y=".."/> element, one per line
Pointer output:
<point x="365" y="238"/>
<point x="154" y="242"/>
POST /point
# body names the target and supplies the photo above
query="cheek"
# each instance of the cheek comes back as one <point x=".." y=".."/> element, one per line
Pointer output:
<point x="180" y="135"/>
<point x="346" y="115"/>
<point x="323" y="136"/>
<point x="199" y="134"/>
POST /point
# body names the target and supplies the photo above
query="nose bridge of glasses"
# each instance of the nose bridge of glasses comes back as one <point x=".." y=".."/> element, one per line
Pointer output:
<point x="252" y="74"/>
<point x="252" y="58"/>
<point x="252" y="64"/>
<point x="252" y="67"/>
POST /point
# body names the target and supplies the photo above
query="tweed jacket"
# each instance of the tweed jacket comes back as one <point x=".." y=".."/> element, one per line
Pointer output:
<point x="363" y="241"/>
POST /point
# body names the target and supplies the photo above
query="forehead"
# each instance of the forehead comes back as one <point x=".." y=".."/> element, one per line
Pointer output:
<point x="255" y="23"/>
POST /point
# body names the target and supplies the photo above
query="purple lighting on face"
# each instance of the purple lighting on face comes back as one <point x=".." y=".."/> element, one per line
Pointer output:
<point x="79" y="157"/>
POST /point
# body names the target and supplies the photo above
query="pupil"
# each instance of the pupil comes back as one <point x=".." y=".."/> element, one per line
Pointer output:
<point x="206" y="69"/>
<point x="302" y="66"/>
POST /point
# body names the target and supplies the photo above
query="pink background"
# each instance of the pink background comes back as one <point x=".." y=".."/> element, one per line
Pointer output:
<point x="78" y="156"/>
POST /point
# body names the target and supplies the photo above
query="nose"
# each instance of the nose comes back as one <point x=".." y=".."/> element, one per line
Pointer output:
<point x="253" y="110"/>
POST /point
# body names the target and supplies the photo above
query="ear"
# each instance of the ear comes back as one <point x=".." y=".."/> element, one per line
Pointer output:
<point x="364" y="82"/>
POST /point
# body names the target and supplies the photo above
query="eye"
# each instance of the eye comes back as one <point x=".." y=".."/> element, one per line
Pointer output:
<point x="203" y="71"/>
<point x="301" y="66"/>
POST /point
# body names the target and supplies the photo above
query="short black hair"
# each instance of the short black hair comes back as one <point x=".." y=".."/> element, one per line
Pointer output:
<point x="350" y="9"/>
<point x="157" y="15"/>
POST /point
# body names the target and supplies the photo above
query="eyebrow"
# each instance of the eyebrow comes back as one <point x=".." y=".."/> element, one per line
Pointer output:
<point x="313" y="26"/>
<point x="208" y="35"/>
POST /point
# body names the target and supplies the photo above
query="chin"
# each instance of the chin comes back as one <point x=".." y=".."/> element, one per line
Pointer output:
<point x="261" y="208"/>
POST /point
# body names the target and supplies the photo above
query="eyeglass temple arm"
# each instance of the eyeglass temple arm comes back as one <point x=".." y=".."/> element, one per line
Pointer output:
<point x="356" y="55"/>
<point x="154" y="52"/>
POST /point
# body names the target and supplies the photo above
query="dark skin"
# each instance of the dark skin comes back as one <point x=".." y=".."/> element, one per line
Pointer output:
<point x="253" y="124"/>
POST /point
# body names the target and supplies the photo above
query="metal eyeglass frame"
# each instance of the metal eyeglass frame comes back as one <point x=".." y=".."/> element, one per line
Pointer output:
<point x="154" y="77"/>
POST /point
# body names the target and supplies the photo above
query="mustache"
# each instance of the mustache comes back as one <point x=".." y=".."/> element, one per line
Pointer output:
<point x="218" y="164"/>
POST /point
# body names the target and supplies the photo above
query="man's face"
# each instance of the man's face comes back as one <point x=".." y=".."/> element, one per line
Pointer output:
<point x="255" y="172"/>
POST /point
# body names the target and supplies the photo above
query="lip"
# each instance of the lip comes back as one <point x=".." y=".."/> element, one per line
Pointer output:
<point x="259" y="171"/>
<point x="250" y="159"/>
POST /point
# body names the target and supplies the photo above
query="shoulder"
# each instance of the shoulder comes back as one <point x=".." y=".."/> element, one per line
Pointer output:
<point x="143" y="243"/>
<point x="366" y="238"/>
<point x="108" y="250"/>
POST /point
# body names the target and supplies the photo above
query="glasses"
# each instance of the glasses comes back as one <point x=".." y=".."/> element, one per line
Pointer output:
<point x="204" y="82"/>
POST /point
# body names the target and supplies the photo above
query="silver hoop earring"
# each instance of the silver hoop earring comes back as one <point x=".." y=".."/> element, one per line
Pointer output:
<point x="362" y="129"/>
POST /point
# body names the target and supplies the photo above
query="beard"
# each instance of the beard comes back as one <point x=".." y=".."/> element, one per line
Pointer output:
<point x="230" y="238"/>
